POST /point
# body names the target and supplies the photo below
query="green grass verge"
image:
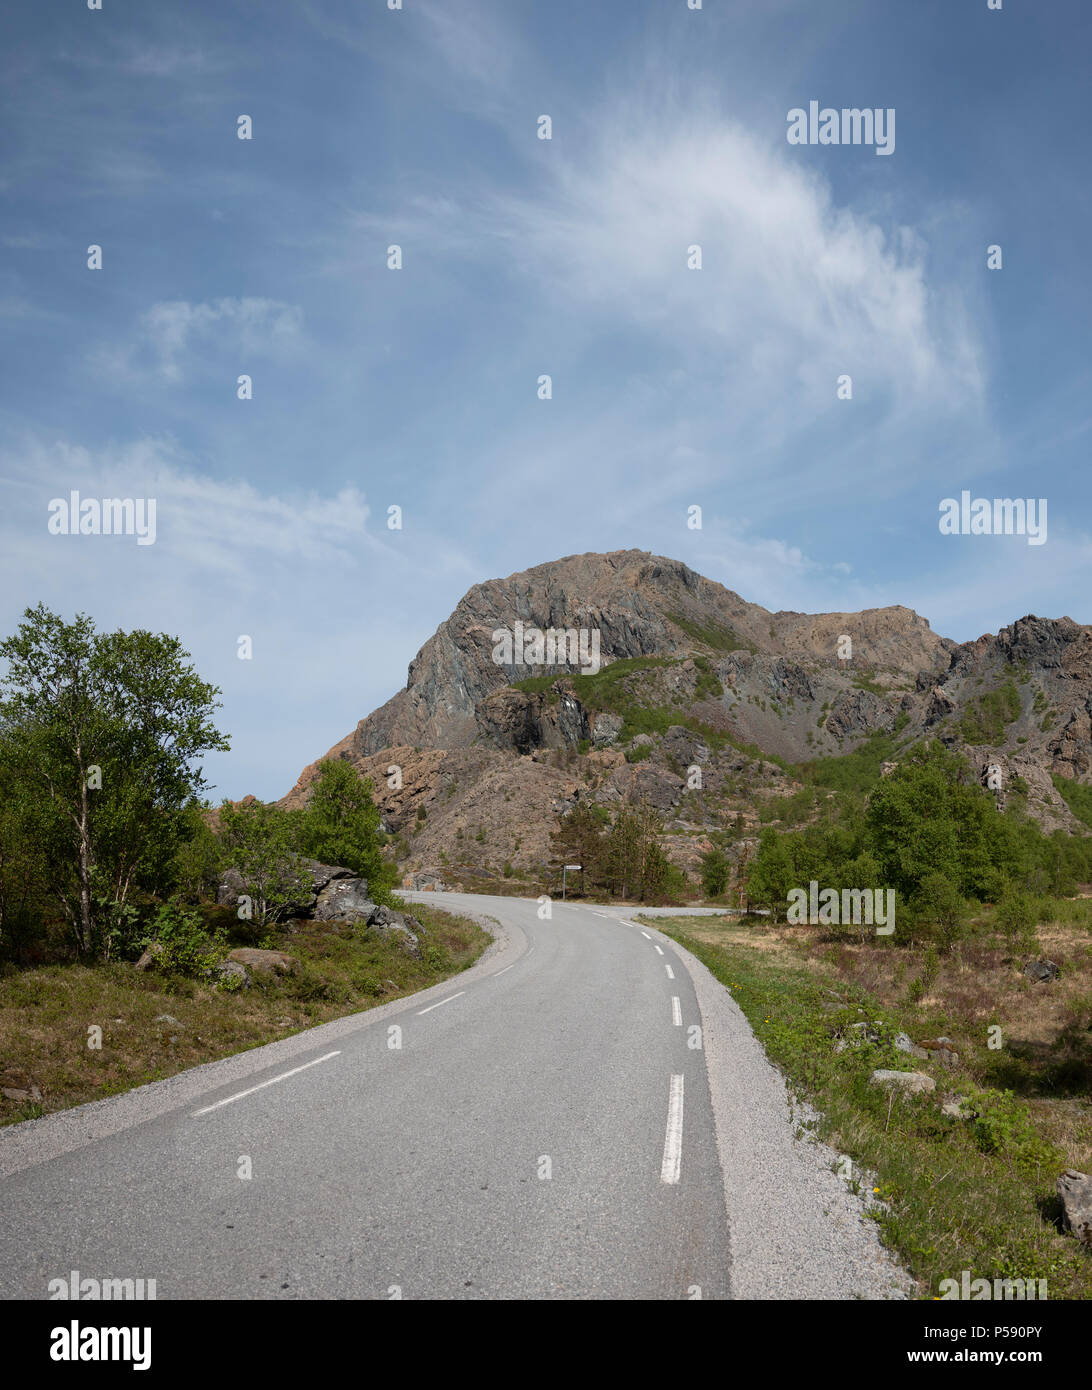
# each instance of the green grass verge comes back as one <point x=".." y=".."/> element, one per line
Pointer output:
<point x="46" y="1011"/>
<point x="976" y="1195"/>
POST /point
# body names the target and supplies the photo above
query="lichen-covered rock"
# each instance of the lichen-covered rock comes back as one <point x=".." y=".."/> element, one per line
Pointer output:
<point x="264" y="962"/>
<point x="1075" y="1194"/>
<point x="343" y="898"/>
<point x="910" y="1082"/>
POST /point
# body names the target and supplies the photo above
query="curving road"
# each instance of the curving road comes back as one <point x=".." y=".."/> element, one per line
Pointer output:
<point x="542" y="1126"/>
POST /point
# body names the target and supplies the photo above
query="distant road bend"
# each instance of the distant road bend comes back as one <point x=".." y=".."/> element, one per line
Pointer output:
<point x="583" y="1114"/>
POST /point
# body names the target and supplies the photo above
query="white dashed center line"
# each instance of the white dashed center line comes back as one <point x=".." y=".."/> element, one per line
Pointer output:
<point x="448" y="1000"/>
<point x="657" y="949"/>
<point x="676" y="1011"/>
<point x="670" y="972"/>
<point x="263" y="1084"/>
<point x="671" y="1167"/>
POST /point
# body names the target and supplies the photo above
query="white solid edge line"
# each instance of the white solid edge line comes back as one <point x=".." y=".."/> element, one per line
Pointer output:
<point x="671" y="1167"/>
<point x="676" y="1011"/>
<point x="658" y="949"/>
<point x="262" y="1084"/>
<point x="448" y="1000"/>
<point x="670" y="972"/>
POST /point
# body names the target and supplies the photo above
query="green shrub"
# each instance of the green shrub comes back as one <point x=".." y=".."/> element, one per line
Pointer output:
<point x="180" y="943"/>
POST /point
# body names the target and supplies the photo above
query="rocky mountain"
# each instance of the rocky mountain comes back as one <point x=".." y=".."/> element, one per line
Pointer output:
<point x="474" y="760"/>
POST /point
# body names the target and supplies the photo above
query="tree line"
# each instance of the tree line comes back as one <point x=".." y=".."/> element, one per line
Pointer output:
<point x="932" y="833"/>
<point x="621" y="856"/>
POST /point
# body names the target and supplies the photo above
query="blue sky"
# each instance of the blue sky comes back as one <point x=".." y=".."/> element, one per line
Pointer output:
<point x="521" y="256"/>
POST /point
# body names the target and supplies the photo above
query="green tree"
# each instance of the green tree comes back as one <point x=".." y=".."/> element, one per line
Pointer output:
<point x="579" y="839"/>
<point x="1016" y="917"/>
<point x="938" y="901"/>
<point x="102" y="733"/>
<point x="198" y="859"/>
<point x="624" y="851"/>
<point x="24" y="872"/>
<point x="716" y="871"/>
<point x="773" y="873"/>
<point x="259" y="840"/>
<point x="340" y="825"/>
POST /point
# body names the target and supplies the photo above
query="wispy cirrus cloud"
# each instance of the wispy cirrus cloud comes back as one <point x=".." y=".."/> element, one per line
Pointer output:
<point x="172" y="330"/>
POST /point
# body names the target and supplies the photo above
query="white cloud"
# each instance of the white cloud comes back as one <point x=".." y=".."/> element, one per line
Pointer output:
<point x="172" y="328"/>
<point x="336" y="604"/>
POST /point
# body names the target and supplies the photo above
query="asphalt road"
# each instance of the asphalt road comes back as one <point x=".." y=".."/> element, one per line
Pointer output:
<point x="542" y="1129"/>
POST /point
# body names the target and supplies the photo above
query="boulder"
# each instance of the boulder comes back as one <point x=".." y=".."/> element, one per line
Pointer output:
<point x="959" y="1108"/>
<point x="910" y="1082"/>
<point x="232" y="970"/>
<point x="1041" y="970"/>
<point x="344" y="899"/>
<point x="312" y="877"/>
<point x="151" y="955"/>
<point x="385" y="922"/>
<point x="167" y="1019"/>
<point x="264" y="962"/>
<point x="1075" y="1192"/>
<point x="605" y="729"/>
<point x="428" y="881"/>
<point x="939" y="1050"/>
<point x="18" y="1085"/>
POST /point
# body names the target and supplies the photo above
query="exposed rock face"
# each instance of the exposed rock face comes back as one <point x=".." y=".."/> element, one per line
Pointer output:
<point x="859" y="712"/>
<point x="427" y="881"/>
<point x="343" y="898"/>
<point x="523" y="722"/>
<point x="485" y="769"/>
<point x="636" y="600"/>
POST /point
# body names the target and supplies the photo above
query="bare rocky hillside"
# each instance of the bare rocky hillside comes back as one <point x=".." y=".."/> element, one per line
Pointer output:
<point x="694" y="677"/>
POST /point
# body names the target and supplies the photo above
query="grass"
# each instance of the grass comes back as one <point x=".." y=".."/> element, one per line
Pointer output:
<point x="977" y="1195"/>
<point x="715" y="635"/>
<point x="865" y="681"/>
<point x="1076" y="796"/>
<point x="46" y="1011"/>
<point x="604" y="689"/>
<point x="857" y="771"/>
<point x="985" y="718"/>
